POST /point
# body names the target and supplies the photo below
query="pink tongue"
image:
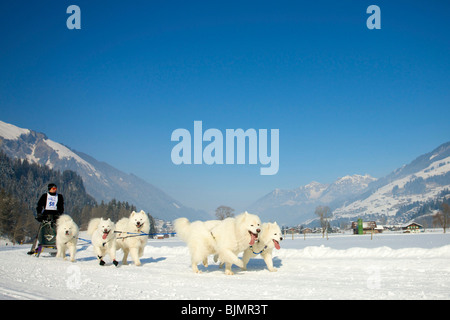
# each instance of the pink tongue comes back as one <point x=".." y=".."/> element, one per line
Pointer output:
<point x="277" y="245"/>
<point x="104" y="235"/>
<point x="252" y="241"/>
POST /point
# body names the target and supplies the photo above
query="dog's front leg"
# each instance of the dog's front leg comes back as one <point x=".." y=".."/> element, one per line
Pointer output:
<point x="73" y="251"/>
<point x="112" y="253"/>
<point x="246" y="258"/>
<point x="268" y="259"/>
<point x="135" y="256"/>
<point x="228" y="269"/>
<point x="125" y="256"/>
<point x="61" y="252"/>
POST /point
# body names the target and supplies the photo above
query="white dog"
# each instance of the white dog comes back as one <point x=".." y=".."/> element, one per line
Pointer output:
<point x="226" y="238"/>
<point x="66" y="237"/>
<point x="103" y="238"/>
<point x="269" y="238"/>
<point x="129" y="239"/>
<point x="197" y="236"/>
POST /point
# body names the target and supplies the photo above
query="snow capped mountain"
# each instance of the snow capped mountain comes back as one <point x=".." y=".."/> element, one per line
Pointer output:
<point x="297" y="205"/>
<point x="400" y="194"/>
<point x="346" y="187"/>
<point x="101" y="180"/>
<point x="395" y="198"/>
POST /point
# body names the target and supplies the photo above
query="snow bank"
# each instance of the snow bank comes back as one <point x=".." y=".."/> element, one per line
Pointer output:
<point x="359" y="253"/>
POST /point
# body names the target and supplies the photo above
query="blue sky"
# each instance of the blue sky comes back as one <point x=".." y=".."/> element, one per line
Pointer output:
<point x="345" y="99"/>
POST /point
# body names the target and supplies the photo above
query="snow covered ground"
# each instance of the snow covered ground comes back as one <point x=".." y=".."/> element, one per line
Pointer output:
<point x="391" y="266"/>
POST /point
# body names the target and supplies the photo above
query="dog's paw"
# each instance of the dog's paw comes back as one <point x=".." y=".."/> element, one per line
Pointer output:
<point x="115" y="263"/>
<point x="229" y="272"/>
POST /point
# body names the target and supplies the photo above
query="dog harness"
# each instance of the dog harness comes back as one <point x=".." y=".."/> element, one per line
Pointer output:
<point x="256" y="253"/>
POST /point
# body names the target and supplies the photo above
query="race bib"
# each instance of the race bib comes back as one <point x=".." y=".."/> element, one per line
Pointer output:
<point x="51" y="202"/>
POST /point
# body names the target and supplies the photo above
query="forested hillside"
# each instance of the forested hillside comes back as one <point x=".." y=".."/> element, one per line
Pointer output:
<point x="21" y="185"/>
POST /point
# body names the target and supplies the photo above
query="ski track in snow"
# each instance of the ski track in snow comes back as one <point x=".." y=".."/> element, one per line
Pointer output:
<point x="391" y="266"/>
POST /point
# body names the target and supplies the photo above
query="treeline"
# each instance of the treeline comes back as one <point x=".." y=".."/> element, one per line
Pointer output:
<point x="424" y="208"/>
<point x="419" y="185"/>
<point x="17" y="221"/>
<point x="21" y="185"/>
<point x="115" y="210"/>
<point x="28" y="181"/>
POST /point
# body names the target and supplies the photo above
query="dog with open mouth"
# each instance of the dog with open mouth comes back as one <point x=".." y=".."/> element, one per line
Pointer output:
<point x="66" y="237"/>
<point x="233" y="236"/>
<point x="269" y="238"/>
<point x="223" y="238"/>
<point x="103" y="237"/>
<point x="129" y="238"/>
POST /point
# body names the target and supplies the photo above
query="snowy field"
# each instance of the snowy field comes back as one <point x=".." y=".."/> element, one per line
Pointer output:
<point x="391" y="266"/>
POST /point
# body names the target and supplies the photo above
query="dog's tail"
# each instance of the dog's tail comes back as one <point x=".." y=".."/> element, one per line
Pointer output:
<point x="182" y="226"/>
<point x="92" y="226"/>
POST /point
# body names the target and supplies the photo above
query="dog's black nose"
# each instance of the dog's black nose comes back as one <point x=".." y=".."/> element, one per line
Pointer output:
<point x="258" y="230"/>
<point x="281" y="238"/>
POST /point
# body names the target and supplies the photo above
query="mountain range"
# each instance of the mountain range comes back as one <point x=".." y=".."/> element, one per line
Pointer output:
<point x="395" y="198"/>
<point x="298" y="205"/>
<point x="399" y="195"/>
<point x="101" y="180"/>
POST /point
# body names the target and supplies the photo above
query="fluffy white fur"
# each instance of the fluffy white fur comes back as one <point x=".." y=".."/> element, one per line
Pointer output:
<point x="198" y="238"/>
<point x="268" y="239"/>
<point x="103" y="238"/>
<point x="226" y="238"/>
<point x="66" y="237"/>
<point x="133" y="244"/>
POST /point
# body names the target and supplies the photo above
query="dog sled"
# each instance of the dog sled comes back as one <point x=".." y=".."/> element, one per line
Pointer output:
<point x="45" y="239"/>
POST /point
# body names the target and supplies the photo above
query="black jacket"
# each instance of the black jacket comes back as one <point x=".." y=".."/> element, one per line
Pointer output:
<point x="43" y="214"/>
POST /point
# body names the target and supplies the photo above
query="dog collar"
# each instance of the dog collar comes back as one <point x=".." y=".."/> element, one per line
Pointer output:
<point x="256" y="253"/>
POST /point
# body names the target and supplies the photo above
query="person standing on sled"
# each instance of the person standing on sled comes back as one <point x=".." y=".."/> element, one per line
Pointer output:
<point x="50" y="205"/>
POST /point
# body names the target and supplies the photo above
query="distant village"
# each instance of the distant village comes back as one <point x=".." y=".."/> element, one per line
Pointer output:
<point x="165" y="228"/>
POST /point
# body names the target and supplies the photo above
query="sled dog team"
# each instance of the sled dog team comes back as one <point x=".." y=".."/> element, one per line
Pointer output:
<point x="107" y="237"/>
<point x="224" y="239"/>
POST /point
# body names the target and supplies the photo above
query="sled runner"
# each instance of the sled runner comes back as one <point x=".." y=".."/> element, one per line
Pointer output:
<point x="46" y="238"/>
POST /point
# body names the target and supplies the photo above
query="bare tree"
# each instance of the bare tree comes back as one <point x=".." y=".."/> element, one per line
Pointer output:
<point x="443" y="216"/>
<point x="223" y="212"/>
<point x="324" y="213"/>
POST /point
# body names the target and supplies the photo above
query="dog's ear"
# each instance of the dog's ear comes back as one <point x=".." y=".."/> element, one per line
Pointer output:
<point x="132" y="214"/>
